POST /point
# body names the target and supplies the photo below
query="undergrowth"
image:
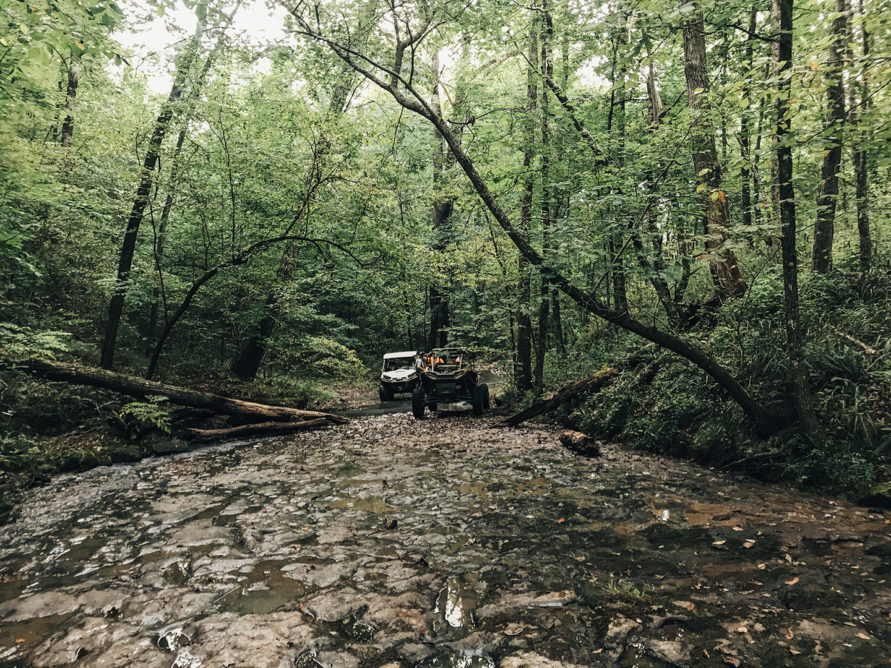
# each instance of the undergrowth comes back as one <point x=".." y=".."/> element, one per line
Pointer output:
<point x="846" y="321"/>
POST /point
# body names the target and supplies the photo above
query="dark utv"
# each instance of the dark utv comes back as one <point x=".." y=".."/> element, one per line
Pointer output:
<point x="448" y="377"/>
<point x="398" y="374"/>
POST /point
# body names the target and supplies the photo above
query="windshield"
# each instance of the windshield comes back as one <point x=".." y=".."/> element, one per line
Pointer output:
<point x="398" y="363"/>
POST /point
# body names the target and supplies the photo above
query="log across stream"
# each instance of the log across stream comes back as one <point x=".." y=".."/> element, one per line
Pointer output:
<point x="390" y="541"/>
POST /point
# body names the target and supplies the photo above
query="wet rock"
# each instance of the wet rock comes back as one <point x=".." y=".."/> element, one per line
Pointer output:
<point x="579" y="443"/>
<point x="533" y="660"/>
<point x="878" y="497"/>
<point x="178" y="572"/>
<point x="670" y="651"/>
<point x="455" y="604"/>
<point x="618" y="631"/>
<point x="308" y="659"/>
<point x="353" y="628"/>
<point x="39" y="605"/>
<point x="161" y="444"/>
<point x="461" y="659"/>
<point x="185" y="659"/>
<point x="173" y="638"/>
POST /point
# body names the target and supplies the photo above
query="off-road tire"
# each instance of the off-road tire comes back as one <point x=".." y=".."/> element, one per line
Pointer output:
<point x="417" y="402"/>
<point x="485" y="388"/>
<point x="384" y="393"/>
<point x="477" y="400"/>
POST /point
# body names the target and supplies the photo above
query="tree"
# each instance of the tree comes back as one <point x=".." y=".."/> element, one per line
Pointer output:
<point x="824" y="227"/>
<point x="785" y="196"/>
<point x="726" y="274"/>
<point x="389" y="77"/>
<point x="143" y="191"/>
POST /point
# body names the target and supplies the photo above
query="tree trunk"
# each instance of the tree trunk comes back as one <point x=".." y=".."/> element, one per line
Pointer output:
<point x="70" y="99"/>
<point x="142" y="388"/>
<point x="258" y="429"/>
<point x="726" y="274"/>
<point x="744" y="131"/>
<point x="561" y="396"/>
<point x="442" y="212"/>
<point x="785" y="195"/>
<point x="524" y="316"/>
<point x="547" y="65"/>
<point x="116" y="305"/>
<point x="161" y="232"/>
<point x="616" y="130"/>
<point x="858" y="157"/>
<point x="824" y="227"/>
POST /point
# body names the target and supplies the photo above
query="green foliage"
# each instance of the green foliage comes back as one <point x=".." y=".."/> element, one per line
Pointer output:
<point x="268" y="149"/>
<point x="153" y="413"/>
<point x="325" y="358"/>
<point x="19" y="341"/>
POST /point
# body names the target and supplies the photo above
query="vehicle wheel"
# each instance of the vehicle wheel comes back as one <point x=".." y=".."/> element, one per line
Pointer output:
<point x="382" y="393"/>
<point x="477" y="400"/>
<point x="417" y="402"/>
<point x="485" y="388"/>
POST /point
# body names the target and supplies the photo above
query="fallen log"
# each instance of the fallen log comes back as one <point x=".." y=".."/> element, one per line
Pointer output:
<point x="579" y="442"/>
<point x="141" y="388"/>
<point x="260" y="428"/>
<point x="595" y="382"/>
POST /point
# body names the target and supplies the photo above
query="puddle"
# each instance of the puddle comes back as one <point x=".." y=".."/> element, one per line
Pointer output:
<point x="265" y="589"/>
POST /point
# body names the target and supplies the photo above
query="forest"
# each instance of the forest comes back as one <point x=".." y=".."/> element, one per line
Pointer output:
<point x="694" y="194"/>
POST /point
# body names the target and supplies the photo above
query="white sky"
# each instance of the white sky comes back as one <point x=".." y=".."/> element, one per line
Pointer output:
<point x="255" y="23"/>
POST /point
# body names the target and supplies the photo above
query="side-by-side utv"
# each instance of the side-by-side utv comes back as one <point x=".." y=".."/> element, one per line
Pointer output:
<point x="399" y="374"/>
<point x="447" y="376"/>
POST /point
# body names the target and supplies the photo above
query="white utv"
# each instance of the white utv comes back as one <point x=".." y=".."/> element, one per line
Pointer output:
<point x="399" y="374"/>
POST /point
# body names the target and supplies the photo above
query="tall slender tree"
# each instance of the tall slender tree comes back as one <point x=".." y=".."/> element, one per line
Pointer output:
<point x="523" y="375"/>
<point x="726" y="274"/>
<point x="784" y="194"/>
<point x="143" y="191"/>
<point x="824" y="227"/>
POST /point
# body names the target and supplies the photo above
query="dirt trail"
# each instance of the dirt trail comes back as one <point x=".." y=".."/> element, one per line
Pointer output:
<point x="443" y="542"/>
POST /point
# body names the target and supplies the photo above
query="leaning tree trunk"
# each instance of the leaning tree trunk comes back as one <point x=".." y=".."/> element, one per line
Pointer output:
<point x="824" y="227"/>
<point x="147" y="176"/>
<point x="785" y="195"/>
<point x="169" y="200"/>
<point x="726" y="274"/>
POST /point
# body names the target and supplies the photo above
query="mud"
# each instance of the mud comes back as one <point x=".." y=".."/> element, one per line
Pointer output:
<point x="443" y="542"/>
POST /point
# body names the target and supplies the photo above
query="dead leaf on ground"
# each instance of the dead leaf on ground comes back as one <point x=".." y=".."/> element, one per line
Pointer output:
<point x="742" y="629"/>
<point x="790" y="633"/>
<point x="719" y="542"/>
<point x="761" y="567"/>
<point x="561" y="520"/>
<point x="737" y="528"/>
<point x="792" y="581"/>
<point x="863" y="635"/>
<point x="748" y="544"/>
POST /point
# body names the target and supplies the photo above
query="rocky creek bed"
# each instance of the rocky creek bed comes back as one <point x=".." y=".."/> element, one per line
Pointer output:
<point x="443" y="542"/>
